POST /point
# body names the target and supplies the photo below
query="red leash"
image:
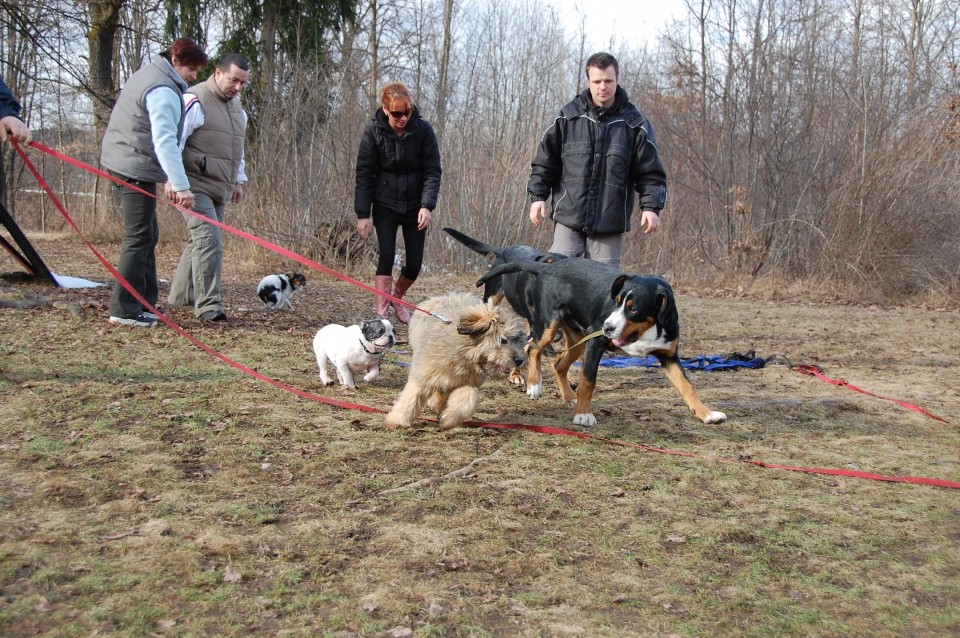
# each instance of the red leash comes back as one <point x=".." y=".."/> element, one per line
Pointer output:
<point x="363" y="408"/>
<point x="208" y="349"/>
<point x="815" y="371"/>
<point x="917" y="480"/>
<point x="230" y="229"/>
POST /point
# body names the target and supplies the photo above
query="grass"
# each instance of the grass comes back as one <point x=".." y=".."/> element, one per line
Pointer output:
<point x="148" y="489"/>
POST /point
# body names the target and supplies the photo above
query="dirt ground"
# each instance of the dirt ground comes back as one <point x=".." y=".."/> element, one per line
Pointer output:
<point x="149" y="488"/>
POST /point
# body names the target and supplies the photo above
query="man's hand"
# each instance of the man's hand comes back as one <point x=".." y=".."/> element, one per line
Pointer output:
<point x="538" y="212"/>
<point x="649" y="222"/>
<point x="11" y="126"/>
<point x="237" y="194"/>
<point x="364" y="226"/>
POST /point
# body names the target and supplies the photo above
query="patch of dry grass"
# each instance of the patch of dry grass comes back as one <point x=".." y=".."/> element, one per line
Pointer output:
<point x="147" y="488"/>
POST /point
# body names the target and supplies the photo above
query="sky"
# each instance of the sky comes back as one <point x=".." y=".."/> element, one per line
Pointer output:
<point x="634" y="21"/>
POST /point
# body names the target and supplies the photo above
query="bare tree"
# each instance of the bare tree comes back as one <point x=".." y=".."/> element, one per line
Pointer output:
<point x="101" y="44"/>
<point x="814" y="140"/>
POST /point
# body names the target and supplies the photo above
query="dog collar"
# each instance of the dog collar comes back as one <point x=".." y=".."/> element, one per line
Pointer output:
<point x="365" y="348"/>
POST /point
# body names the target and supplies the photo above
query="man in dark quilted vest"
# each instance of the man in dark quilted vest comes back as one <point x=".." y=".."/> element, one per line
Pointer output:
<point x="212" y="143"/>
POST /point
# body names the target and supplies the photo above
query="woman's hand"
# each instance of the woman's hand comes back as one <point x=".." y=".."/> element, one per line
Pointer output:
<point x="423" y="219"/>
<point x="363" y="227"/>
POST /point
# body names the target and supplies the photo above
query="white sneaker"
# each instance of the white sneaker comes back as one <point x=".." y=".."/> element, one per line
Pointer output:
<point x="140" y="321"/>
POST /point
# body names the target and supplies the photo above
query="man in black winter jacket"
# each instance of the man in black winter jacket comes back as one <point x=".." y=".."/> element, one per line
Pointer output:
<point x="596" y="152"/>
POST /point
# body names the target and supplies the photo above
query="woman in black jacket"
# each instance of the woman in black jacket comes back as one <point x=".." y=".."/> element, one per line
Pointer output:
<point x="398" y="182"/>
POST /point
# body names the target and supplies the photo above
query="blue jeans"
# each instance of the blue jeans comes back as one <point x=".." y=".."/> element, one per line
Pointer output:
<point x="137" y="263"/>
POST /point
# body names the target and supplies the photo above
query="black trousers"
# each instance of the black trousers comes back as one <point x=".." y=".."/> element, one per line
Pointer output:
<point x="387" y="223"/>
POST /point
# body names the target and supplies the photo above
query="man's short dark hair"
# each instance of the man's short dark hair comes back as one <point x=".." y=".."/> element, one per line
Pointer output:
<point x="233" y="59"/>
<point x="601" y="60"/>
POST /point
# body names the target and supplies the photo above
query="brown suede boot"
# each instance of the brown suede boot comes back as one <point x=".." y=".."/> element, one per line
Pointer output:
<point x="383" y="283"/>
<point x="403" y="315"/>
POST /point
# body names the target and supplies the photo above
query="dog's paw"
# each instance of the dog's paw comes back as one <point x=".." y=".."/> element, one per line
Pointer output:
<point x="586" y="420"/>
<point x="516" y="378"/>
<point x="715" y="417"/>
<point x="535" y="390"/>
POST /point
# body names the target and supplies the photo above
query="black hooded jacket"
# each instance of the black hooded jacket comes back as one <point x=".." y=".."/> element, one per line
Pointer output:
<point x="592" y="160"/>
<point x="398" y="173"/>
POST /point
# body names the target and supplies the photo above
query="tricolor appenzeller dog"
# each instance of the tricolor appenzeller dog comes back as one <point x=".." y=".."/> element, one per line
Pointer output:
<point x="634" y="313"/>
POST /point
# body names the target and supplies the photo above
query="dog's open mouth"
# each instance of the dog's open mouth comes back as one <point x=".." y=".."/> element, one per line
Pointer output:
<point x="620" y="342"/>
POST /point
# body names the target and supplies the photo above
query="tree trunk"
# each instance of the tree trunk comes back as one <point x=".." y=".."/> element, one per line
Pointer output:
<point x="442" y="89"/>
<point x="104" y="22"/>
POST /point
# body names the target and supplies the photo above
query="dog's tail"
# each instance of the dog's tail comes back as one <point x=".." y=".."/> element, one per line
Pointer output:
<point x="475" y="245"/>
<point x="530" y="266"/>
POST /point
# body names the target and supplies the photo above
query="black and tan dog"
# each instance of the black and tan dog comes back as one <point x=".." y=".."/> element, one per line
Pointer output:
<point x="635" y="313"/>
<point x="515" y="287"/>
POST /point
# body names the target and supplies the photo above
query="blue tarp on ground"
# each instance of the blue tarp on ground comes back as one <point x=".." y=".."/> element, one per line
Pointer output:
<point x="703" y="362"/>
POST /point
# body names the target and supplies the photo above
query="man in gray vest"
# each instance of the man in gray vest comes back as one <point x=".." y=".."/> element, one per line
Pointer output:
<point x="212" y="144"/>
<point x="140" y="148"/>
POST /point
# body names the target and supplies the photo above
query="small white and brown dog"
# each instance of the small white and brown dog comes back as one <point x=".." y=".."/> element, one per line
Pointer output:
<point x="451" y="360"/>
<point x="275" y="290"/>
<point x="353" y="349"/>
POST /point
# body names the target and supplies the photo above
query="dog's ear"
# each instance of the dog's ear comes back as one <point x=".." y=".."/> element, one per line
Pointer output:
<point x="473" y="324"/>
<point x="617" y="286"/>
<point x="666" y="312"/>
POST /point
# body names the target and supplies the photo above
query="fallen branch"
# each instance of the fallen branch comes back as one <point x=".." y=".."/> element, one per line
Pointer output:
<point x="464" y="471"/>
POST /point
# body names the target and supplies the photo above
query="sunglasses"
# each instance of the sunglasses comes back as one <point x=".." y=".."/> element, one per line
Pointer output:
<point x="399" y="114"/>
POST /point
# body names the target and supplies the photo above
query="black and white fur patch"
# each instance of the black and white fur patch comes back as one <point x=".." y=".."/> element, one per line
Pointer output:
<point x="275" y="290"/>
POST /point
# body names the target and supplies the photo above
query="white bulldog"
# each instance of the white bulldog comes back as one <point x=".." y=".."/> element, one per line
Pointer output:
<point x="357" y="348"/>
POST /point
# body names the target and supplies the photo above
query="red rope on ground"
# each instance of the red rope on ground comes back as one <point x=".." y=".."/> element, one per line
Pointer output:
<point x="208" y="349"/>
<point x="918" y="480"/>
<point x="814" y="371"/>
<point x="356" y="406"/>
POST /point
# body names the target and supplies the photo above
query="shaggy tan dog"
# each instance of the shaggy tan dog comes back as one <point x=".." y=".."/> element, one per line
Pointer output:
<point x="451" y="360"/>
